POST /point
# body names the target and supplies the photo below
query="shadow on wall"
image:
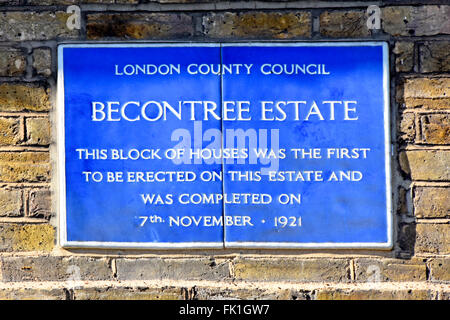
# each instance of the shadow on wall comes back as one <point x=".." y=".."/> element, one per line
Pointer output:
<point x="406" y="231"/>
<point x="406" y="239"/>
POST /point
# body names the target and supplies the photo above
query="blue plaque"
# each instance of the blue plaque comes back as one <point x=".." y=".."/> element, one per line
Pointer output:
<point x="320" y="140"/>
<point x="121" y="116"/>
<point x="255" y="145"/>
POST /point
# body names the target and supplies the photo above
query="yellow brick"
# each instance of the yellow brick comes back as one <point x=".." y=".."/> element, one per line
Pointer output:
<point x="440" y="269"/>
<point x="343" y="24"/>
<point x="426" y="164"/>
<point x="269" y="25"/>
<point x="291" y="269"/>
<point x="28" y="237"/>
<point x="428" y="93"/>
<point x="24" y="166"/>
<point x="9" y="131"/>
<point x="21" y="97"/>
<point x="32" y="294"/>
<point x="10" y="202"/>
<point x="128" y="294"/>
<point x="139" y="26"/>
<point x="38" y="131"/>
<point x="374" y="270"/>
<point x="431" y="202"/>
<point x="432" y="238"/>
<point x="435" y="128"/>
<point x="375" y="294"/>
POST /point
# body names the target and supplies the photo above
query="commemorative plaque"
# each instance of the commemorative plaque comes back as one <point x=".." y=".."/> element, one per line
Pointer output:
<point x="249" y="145"/>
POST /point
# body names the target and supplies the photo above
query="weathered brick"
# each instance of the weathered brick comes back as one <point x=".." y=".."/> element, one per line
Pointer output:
<point x="416" y="21"/>
<point x="429" y="93"/>
<point x="40" y="205"/>
<point x="24" y="166"/>
<point x="426" y="164"/>
<point x="32" y="294"/>
<point x="9" y="131"/>
<point x="435" y="128"/>
<point x="42" y="61"/>
<point x="28" y="237"/>
<point x="375" y="294"/>
<point x="261" y="25"/>
<point x="406" y="237"/>
<point x="11" y="202"/>
<point x="10" y="2"/>
<point x="200" y="292"/>
<point x="126" y="293"/>
<point x="375" y="270"/>
<point x="439" y="269"/>
<point x="38" y="131"/>
<point x="157" y="268"/>
<point x="403" y="199"/>
<point x="432" y="238"/>
<point x="139" y="26"/>
<point x="407" y="127"/>
<point x="55" y="268"/>
<point x="23" y="97"/>
<point x="291" y="269"/>
<point x="205" y="293"/>
<point x="343" y="24"/>
<point x="404" y="56"/>
<point x="434" y="56"/>
<point x="431" y="202"/>
<point x="12" y="62"/>
<point x="66" y="2"/>
<point x="444" y="295"/>
<point x="430" y="88"/>
<point x="78" y="2"/>
<point x="26" y="25"/>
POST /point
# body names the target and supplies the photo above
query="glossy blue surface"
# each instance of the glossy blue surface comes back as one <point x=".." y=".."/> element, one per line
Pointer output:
<point x="331" y="212"/>
<point x="110" y="211"/>
<point x="349" y="213"/>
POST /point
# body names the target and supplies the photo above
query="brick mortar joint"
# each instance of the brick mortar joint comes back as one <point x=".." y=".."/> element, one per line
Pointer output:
<point x="204" y="6"/>
<point x="239" y="6"/>
<point x="182" y="255"/>
<point x="233" y="285"/>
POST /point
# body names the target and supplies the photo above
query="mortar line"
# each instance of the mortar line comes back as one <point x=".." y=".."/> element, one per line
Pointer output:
<point x="236" y="285"/>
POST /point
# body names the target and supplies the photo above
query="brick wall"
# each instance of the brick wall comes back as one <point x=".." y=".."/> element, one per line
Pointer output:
<point x="33" y="266"/>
